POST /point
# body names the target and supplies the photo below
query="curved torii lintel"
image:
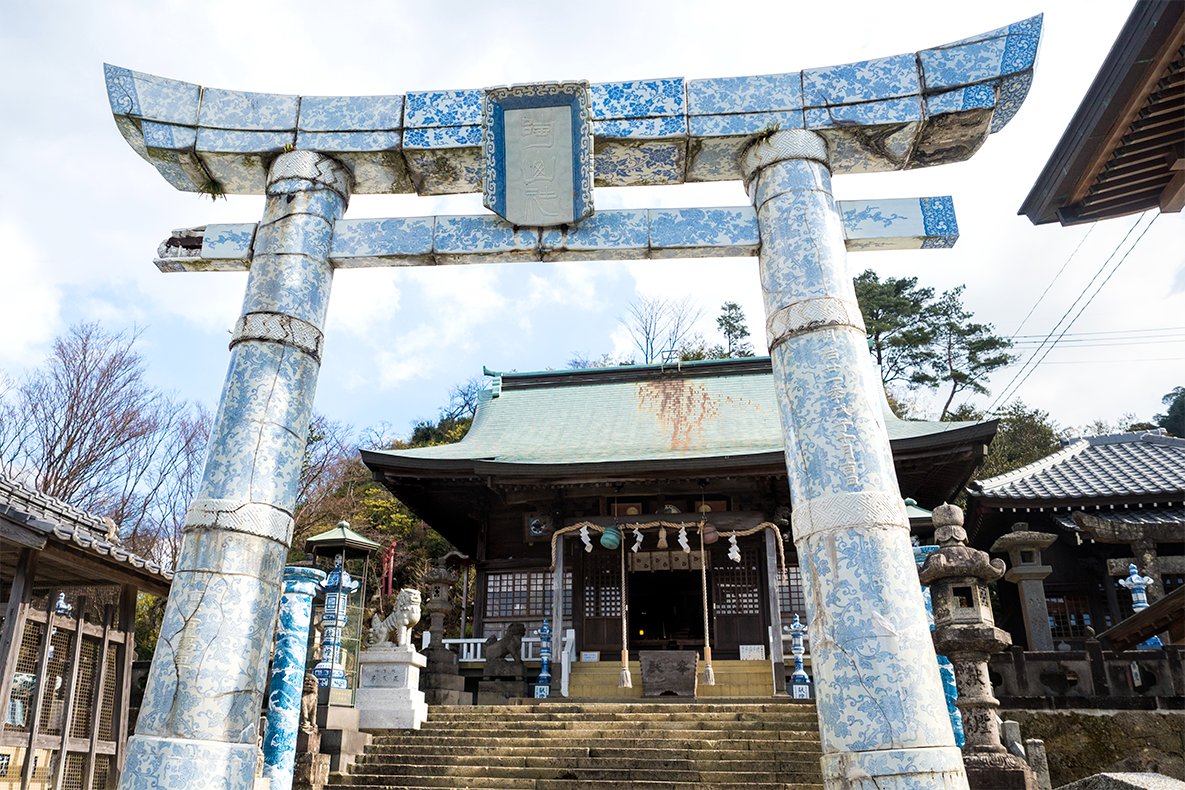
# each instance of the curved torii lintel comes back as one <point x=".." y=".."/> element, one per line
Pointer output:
<point x="896" y="113"/>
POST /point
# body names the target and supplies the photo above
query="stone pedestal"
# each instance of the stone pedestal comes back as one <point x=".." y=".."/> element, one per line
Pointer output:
<point x="341" y="739"/>
<point x="389" y="696"/>
<point x="500" y="692"/>
<point x="311" y="770"/>
<point x="441" y="682"/>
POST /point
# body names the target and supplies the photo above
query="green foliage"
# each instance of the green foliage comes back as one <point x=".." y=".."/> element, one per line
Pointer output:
<point x="150" y="611"/>
<point x="967" y="352"/>
<point x="1173" y="420"/>
<point x="923" y="341"/>
<point x="731" y="323"/>
<point x="898" y="321"/>
<point x="1025" y="435"/>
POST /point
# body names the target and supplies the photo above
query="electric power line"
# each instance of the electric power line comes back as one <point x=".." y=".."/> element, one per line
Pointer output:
<point x="1011" y="390"/>
<point x="1054" y="280"/>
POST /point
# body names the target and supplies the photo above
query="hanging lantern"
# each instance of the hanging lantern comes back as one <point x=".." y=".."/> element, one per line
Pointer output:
<point x="611" y="537"/>
<point x="709" y="533"/>
<point x="662" y="537"/>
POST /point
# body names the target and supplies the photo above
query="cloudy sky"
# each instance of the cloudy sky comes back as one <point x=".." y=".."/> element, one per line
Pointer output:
<point x="81" y="214"/>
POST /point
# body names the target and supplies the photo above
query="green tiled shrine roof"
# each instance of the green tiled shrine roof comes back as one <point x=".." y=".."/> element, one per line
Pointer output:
<point x="639" y="413"/>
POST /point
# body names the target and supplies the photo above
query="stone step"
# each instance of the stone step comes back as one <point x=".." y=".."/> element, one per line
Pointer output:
<point x="601" y="742"/>
<point x="466" y="774"/>
<point x="512" y="715"/>
<point x="619" y="725"/>
<point x="431" y="782"/>
<point x="632" y="760"/>
<point x="650" y="705"/>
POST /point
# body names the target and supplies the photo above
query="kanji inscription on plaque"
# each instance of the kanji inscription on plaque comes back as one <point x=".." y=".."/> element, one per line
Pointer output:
<point x="537" y="144"/>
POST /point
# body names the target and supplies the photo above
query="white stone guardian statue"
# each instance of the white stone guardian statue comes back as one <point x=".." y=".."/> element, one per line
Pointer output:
<point x="402" y="619"/>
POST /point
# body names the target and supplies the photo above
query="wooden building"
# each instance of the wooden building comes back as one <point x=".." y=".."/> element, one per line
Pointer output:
<point x="67" y="642"/>
<point x="1112" y="501"/>
<point x="636" y="446"/>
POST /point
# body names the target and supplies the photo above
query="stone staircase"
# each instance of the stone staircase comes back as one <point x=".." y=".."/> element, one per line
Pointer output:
<point x="725" y="745"/>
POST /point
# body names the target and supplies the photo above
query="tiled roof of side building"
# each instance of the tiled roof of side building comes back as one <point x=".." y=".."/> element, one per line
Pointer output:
<point x="1150" y="464"/>
<point x="65" y="522"/>
<point x="639" y="413"/>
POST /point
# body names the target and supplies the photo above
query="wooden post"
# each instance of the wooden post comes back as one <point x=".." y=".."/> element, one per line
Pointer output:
<point x="123" y="674"/>
<point x="80" y="605"/>
<point x="776" y="657"/>
<point x="39" y="687"/>
<point x="557" y="601"/>
<point x="14" y="624"/>
<point x="97" y="698"/>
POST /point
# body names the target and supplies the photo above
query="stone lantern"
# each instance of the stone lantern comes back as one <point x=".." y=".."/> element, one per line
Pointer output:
<point x="966" y="633"/>
<point x="1028" y="573"/>
<point x="440" y="581"/>
<point x="441" y="681"/>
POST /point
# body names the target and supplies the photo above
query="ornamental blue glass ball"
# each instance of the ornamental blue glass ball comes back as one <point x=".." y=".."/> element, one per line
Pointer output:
<point x="611" y="538"/>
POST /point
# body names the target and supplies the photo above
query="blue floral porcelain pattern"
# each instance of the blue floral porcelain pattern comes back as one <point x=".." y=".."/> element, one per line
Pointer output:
<point x="638" y="163"/>
<point x="197" y="725"/>
<point x="639" y="99"/>
<point x="852" y="102"/>
<point x="880" y="711"/>
<point x="350" y="113"/>
<point x="869" y="80"/>
<point x="288" y="671"/>
<point x="223" y="109"/>
<point x="726" y="95"/>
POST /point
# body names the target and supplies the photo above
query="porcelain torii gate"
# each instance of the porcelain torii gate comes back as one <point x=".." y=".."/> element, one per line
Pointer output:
<point x="882" y="714"/>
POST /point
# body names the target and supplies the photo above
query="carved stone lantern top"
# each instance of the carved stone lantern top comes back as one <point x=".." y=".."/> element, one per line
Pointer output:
<point x="955" y="558"/>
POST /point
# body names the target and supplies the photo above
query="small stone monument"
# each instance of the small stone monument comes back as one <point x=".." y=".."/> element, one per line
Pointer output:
<point x="389" y="695"/>
<point x="311" y="769"/>
<point x="965" y="632"/>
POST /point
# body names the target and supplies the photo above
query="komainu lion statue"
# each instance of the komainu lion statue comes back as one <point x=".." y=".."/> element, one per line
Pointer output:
<point x="504" y="657"/>
<point x="400" y="622"/>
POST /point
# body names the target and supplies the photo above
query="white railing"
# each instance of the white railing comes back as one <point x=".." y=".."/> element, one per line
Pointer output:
<point x="474" y="649"/>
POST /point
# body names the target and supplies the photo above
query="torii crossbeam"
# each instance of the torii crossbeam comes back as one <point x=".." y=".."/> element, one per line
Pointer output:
<point x="883" y="719"/>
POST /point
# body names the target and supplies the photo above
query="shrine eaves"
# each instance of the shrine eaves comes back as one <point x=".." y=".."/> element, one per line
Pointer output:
<point x="902" y="112"/>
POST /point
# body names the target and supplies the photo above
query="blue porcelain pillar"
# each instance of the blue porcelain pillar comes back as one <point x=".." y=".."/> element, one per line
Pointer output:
<point x="199" y="720"/>
<point x="882" y="714"/>
<point x="288" y="668"/>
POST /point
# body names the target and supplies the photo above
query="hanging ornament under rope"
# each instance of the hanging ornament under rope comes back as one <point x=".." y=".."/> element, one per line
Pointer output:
<point x="734" y="552"/>
<point x="662" y="537"/>
<point x="709" y="673"/>
<point x="611" y="537"/>
<point x="637" y="540"/>
<point x="585" y="538"/>
<point x="626" y="681"/>
<point x="683" y="540"/>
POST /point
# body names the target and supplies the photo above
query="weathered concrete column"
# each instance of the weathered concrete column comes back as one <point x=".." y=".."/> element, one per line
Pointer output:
<point x="882" y="714"/>
<point x="199" y="720"/>
<point x="288" y="672"/>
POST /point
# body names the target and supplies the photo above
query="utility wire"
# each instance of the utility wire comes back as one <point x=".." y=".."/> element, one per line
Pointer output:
<point x="1107" y="279"/>
<point x="1054" y="280"/>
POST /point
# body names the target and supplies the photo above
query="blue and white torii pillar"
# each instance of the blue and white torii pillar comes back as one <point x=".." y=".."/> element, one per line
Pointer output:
<point x="882" y="712"/>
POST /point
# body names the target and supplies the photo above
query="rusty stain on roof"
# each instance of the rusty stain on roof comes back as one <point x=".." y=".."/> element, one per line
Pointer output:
<point x="683" y="407"/>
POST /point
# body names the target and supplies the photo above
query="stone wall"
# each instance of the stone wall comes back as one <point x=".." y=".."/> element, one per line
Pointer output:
<point x="1081" y="743"/>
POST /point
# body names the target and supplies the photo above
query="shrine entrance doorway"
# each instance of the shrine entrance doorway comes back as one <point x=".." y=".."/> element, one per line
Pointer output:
<point x="666" y="611"/>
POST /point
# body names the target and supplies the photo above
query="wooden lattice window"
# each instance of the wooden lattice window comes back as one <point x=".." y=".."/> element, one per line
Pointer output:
<point x="791" y="600"/>
<point x="1069" y="615"/>
<point x="602" y="585"/>
<point x="737" y="586"/>
<point x="524" y="594"/>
